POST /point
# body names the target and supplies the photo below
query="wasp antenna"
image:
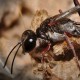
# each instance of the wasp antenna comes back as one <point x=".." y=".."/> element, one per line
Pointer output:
<point x="73" y="50"/>
<point x="10" y="54"/>
<point x="76" y="2"/>
<point x="14" y="59"/>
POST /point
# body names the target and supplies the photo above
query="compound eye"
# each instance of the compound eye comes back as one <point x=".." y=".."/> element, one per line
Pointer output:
<point x="29" y="45"/>
<point x="30" y="42"/>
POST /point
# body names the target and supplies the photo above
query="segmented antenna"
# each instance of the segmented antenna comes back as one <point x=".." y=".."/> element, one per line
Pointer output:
<point x="10" y="54"/>
<point x="19" y="43"/>
<point x="14" y="59"/>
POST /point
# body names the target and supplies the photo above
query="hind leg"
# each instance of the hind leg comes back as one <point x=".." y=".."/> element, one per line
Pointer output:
<point x="76" y="2"/>
<point x="73" y="50"/>
<point x="70" y="44"/>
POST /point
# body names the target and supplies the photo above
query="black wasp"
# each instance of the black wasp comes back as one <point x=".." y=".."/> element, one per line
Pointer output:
<point x="51" y="30"/>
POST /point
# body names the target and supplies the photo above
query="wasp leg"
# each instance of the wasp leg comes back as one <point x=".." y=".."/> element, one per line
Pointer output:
<point x="47" y="48"/>
<point x="76" y="2"/>
<point x="77" y="23"/>
<point x="72" y="48"/>
<point x="67" y="38"/>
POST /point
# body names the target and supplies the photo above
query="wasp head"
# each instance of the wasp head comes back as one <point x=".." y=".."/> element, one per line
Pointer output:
<point x="28" y="40"/>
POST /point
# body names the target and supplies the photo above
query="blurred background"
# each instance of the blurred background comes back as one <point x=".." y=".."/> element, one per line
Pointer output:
<point x="15" y="17"/>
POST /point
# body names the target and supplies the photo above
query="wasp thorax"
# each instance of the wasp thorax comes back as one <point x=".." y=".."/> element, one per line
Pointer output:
<point x="28" y="40"/>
